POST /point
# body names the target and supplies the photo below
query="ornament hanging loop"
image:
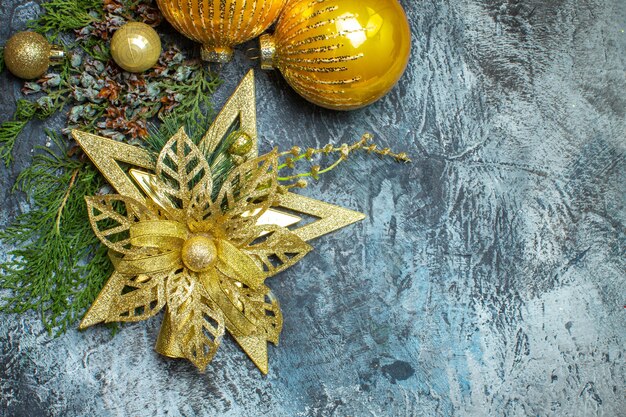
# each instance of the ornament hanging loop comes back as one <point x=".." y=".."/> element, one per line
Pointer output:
<point x="253" y="54"/>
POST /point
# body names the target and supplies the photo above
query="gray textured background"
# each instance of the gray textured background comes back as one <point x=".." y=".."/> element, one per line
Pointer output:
<point x="488" y="279"/>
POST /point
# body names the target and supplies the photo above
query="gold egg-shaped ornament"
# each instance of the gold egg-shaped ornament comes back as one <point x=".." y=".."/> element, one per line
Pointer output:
<point x="135" y="47"/>
<point x="219" y="25"/>
<point x="339" y="54"/>
<point x="28" y="55"/>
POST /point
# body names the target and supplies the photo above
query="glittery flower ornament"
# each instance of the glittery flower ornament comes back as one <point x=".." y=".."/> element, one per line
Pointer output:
<point x="204" y="257"/>
<point x="187" y="235"/>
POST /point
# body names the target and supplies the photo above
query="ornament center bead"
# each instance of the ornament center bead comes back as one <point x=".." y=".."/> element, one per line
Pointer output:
<point x="242" y="145"/>
<point x="199" y="253"/>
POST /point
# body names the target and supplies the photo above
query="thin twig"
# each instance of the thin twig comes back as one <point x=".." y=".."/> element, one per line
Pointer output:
<point x="64" y="202"/>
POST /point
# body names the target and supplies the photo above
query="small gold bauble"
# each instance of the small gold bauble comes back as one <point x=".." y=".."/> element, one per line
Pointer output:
<point x="220" y="24"/>
<point x="340" y="54"/>
<point x="241" y="145"/>
<point x="135" y="47"/>
<point x="28" y="55"/>
<point x="199" y="253"/>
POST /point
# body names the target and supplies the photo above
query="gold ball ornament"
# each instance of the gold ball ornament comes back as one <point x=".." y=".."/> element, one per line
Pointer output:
<point x="135" y="47"/>
<point x="242" y="144"/>
<point x="220" y="24"/>
<point x="28" y="55"/>
<point x="339" y="54"/>
<point x="199" y="253"/>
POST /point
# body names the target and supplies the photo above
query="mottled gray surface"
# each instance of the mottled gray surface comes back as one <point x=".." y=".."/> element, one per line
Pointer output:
<point x="488" y="279"/>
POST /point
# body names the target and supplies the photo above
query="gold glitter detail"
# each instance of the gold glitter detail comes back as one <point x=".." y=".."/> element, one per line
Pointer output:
<point x="162" y="229"/>
<point x="204" y="252"/>
<point x="270" y="217"/>
<point x="240" y="107"/>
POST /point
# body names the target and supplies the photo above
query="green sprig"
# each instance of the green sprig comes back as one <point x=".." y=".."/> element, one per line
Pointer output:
<point x="295" y="155"/>
<point x="64" y="15"/>
<point x="59" y="265"/>
<point x="197" y="92"/>
<point x="10" y="130"/>
<point x="26" y="111"/>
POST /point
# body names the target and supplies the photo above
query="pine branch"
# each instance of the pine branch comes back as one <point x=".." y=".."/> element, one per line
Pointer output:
<point x="9" y="131"/>
<point x="195" y="94"/>
<point x="57" y="269"/>
<point x="64" y="15"/>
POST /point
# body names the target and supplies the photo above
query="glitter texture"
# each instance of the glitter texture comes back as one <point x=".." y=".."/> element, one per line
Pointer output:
<point x="27" y="55"/>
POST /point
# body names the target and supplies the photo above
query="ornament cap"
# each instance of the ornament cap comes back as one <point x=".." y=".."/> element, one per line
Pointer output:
<point x="56" y="54"/>
<point x="267" y="45"/>
<point x="217" y="54"/>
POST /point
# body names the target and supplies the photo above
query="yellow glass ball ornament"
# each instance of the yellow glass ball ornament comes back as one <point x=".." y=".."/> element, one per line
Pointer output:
<point x="135" y="47"/>
<point x="28" y="55"/>
<point x="339" y="54"/>
<point x="220" y="24"/>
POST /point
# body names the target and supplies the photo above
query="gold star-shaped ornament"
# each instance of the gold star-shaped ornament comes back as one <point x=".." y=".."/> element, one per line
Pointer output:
<point x="202" y="250"/>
